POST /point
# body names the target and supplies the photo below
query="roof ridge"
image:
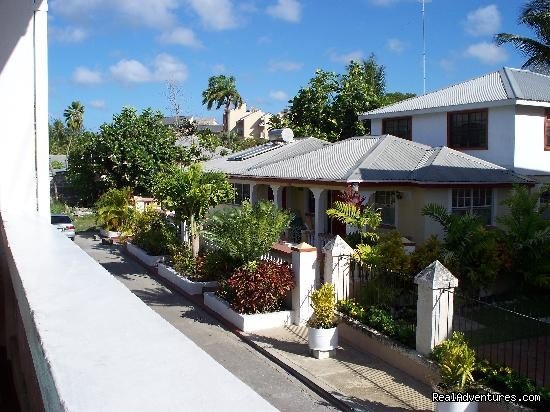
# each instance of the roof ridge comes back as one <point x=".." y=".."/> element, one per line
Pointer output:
<point x="381" y="142"/>
<point x="266" y="162"/>
<point x="510" y="84"/>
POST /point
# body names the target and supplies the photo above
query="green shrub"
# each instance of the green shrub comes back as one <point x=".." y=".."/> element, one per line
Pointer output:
<point x="379" y="319"/>
<point x="428" y="252"/>
<point x="57" y="207"/>
<point x="392" y="254"/>
<point x="112" y="208"/>
<point x="258" y="287"/>
<point x="456" y="362"/>
<point x="154" y="233"/>
<point x="247" y="233"/>
<point x="183" y="261"/>
<point x="324" y="307"/>
<point x="56" y="165"/>
<point x="219" y="265"/>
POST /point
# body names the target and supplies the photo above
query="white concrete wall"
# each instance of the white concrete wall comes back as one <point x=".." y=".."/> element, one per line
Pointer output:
<point x="431" y="129"/>
<point x="24" y="174"/>
<point x="95" y="345"/>
<point x="530" y="156"/>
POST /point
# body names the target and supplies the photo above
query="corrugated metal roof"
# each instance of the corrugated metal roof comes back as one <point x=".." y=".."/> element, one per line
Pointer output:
<point x="381" y="159"/>
<point x="286" y="151"/>
<point x="502" y="85"/>
<point x="332" y="162"/>
<point x="527" y="85"/>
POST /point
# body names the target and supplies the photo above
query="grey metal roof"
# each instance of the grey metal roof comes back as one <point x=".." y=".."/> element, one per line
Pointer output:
<point x="504" y="85"/>
<point x="285" y="151"/>
<point x="379" y="159"/>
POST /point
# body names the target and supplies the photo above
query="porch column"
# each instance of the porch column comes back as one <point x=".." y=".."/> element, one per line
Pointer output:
<point x="253" y="193"/>
<point x="320" y="212"/>
<point x="277" y="195"/>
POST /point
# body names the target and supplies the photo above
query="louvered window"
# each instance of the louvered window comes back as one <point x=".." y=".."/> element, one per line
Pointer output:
<point x="242" y="193"/>
<point x="384" y="202"/>
<point x="467" y="130"/>
<point x="398" y="126"/>
<point x="476" y="201"/>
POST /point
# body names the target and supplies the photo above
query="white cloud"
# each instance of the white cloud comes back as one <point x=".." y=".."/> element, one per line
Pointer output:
<point x="345" y="58"/>
<point x="164" y="68"/>
<point x="395" y="45"/>
<point x="152" y="13"/>
<point x="98" y="104"/>
<point x="181" y="36"/>
<point x="447" y="64"/>
<point x="131" y="71"/>
<point x="483" y="21"/>
<point x="278" y="95"/>
<point x="284" y="66"/>
<point x="264" y="40"/>
<point x="487" y="53"/>
<point x="83" y="75"/>
<point x="218" y="69"/>
<point x="68" y="34"/>
<point x="287" y="10"/>
<point x="215" y="14"/>
<point x="168" y="68"/>
<point x="383" y="3"/>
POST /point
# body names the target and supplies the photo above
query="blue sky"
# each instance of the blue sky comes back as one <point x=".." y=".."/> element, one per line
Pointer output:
<point x="114" y="53"/>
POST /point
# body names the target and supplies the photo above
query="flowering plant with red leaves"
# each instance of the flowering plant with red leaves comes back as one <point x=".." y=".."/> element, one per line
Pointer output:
<point x="259" y="287"/>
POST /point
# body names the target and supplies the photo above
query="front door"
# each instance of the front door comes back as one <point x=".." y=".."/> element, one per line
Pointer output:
<point x="336" y="227"/>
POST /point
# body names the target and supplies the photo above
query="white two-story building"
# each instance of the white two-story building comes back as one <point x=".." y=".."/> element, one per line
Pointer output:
<point x="502" y="117"/>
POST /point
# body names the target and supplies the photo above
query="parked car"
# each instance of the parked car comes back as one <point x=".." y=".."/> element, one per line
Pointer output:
<point x="64" y="224"/>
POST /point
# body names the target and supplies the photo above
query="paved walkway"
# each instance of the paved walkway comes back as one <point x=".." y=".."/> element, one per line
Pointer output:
<point x="359" y="381"/>
<point x="362" y="381"/>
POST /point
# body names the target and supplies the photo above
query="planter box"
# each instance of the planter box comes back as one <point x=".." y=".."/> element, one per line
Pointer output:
<point x="247" y="323"/>
<point x="142" y="256"/>
<point x="180" y="281"/>
<point x="109" y="234"/>
<point x="369" y="340"/>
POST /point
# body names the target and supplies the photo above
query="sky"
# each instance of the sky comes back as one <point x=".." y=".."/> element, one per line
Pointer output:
<point x="108" y="54"/>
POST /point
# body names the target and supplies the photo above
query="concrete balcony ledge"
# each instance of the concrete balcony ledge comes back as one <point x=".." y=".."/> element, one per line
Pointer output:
<point x="94" y="345"/>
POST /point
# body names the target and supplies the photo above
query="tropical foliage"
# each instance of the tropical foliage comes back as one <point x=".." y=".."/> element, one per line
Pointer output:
<point x="258" y="287"/>
<point x="535" y="14"/>
<point x="113" y="208"/>
<point x="328" y="107"/>
<point x="456" y="362"/>
<point x="74" y="116"/>
<point x="222" y="91"/>
<point x="247" y="233"/>
<point x="128" y="152"/>
<point x="527" y="237"/>
<point x="469" y="249"/>
<point x="153" y="232"/>
<point x="190" y="193"/>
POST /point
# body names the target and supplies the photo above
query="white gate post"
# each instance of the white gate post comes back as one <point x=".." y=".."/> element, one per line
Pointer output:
<point x="434" y="308"/>
<point x="304" y="265"/>
<point x="337" y="266"/>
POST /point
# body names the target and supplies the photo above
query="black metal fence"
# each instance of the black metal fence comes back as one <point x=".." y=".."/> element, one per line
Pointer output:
<point x="394" y="292"/>
<point x="505" y="337"/>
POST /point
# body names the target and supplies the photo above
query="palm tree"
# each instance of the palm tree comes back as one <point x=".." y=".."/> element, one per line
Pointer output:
<point x="74" y="116"/>
<point x="222" y="91"/>
<point x="536" y="15"/>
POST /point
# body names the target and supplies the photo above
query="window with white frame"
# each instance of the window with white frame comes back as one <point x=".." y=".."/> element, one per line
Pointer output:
<point x="384" y="201"/>
<point x="476" y="201"/>
<point x="242" y="193"/>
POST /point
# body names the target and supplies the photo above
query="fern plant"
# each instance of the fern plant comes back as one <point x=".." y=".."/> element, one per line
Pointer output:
<point x="324" y="307"/>
<point x="112" y="208"/>
<point x="363" y="217"/>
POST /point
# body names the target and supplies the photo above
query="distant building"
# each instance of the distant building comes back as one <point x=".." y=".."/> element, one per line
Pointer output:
<point x="200" y="123"/>
<point x="248" y="122"/>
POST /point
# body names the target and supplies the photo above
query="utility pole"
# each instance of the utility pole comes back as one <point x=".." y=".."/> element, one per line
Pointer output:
<point x="424" y="44"/>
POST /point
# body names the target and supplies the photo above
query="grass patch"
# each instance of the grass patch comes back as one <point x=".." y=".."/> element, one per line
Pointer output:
<point x="84" y="223"/>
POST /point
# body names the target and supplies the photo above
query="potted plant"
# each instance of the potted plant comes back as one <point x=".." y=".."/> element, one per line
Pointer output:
<point x="323" y="334"/>
<point x="456" y="364"/>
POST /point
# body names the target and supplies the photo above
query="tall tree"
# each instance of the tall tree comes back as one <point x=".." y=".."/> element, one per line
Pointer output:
<point x="535" y="14"/>
<point x="128" y="152"/>
<point x="190" y="194"/>
<point x="74" y="116"/>
<point x="58" y="136"/>
<point x="222" y="91"/>
<point x="74" y="119"/>
<point x="329" y="106"/>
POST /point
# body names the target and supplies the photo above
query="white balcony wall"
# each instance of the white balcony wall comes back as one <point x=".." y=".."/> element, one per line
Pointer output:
<point x="530" y="156"/>
<point x="24" y="175"/>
